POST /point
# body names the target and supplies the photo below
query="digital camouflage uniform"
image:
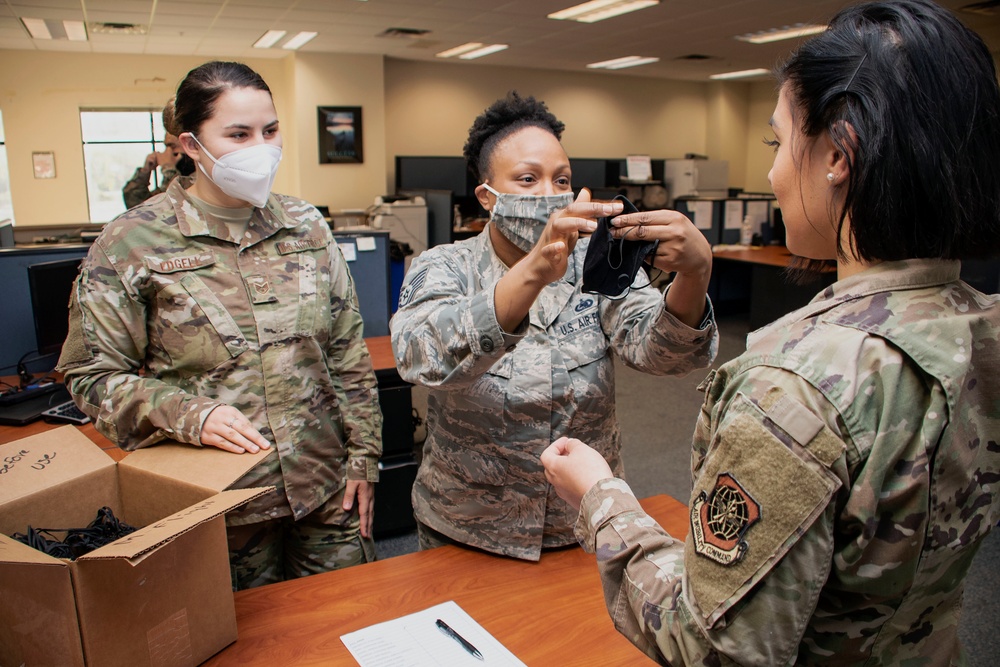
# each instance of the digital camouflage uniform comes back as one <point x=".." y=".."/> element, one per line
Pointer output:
<point x="845" y="472"/>
<point x="171" y="318"/>
<point x="498" y="399"/>
<point x="137" y="189"/>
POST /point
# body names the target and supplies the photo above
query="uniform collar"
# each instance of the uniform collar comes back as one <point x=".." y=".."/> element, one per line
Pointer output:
<point x="193" y="221"/>
<point x="897" y="276"/>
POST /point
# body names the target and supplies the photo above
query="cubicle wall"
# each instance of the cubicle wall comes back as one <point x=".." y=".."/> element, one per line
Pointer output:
<point x="367" y="254"/>
<point x="18" y="337"/>
<point x="721" y="220"/>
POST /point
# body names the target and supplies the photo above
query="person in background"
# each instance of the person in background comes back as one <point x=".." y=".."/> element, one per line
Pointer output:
<point x="171" y="161"/>
<point x="223" y="315"/>
<point x="845" y="467"/>
<point x="515" y="353"/>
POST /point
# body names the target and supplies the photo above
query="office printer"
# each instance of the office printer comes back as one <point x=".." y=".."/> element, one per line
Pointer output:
<point x="405" y="219"/>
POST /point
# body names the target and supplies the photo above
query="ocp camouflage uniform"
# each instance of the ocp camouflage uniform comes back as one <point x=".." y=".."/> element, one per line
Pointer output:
<point x="498" y="399"/>
<point x="845" y="471"/>
<point x="137" y="189"/>
<point x="171" y="318"/>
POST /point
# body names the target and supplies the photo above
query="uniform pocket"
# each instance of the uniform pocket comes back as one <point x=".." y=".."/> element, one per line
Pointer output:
<point x="192" y="327"/>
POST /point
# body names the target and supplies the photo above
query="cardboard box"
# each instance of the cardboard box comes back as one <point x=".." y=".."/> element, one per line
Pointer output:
<point x="160" y="596"/>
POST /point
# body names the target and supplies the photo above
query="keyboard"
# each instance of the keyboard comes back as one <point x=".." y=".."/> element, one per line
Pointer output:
<point x="35" y="404"/>
<point x="65" y="413"/>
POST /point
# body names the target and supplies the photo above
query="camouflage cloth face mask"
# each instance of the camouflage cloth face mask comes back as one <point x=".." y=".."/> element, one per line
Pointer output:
<point x="522" y="218"/>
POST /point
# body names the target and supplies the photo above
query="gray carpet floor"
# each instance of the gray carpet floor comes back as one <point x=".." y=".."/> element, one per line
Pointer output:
<point x="657" y="416"/>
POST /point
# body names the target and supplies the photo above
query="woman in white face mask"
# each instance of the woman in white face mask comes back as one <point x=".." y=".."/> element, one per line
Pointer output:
<point x="515" y="352"/>
<point x="222" y="315"/>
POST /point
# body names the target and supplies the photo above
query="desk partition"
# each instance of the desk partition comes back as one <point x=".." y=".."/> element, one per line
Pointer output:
<point x="18" y="338"/>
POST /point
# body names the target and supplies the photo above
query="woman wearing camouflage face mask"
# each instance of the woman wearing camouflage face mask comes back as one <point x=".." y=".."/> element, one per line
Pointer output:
<point x="513" y="351"/>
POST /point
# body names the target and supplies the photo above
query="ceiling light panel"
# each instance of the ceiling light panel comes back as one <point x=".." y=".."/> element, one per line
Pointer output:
<point x="742" y="74"/>
<point x="622" y="63"/>
<point x="599" y="10"/>
<point x="299" y="40"/>
<point x="484" y="51"/>
<point x="269" y="39"/>
<point x="459" y="50"/>
<point x="36" y="28"/>
<point x="778" y="34"/>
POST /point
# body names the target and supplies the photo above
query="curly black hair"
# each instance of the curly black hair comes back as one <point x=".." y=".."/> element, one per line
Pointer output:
<point x="499" y="121"/>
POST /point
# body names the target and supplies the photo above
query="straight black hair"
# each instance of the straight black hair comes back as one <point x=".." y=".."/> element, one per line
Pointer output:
<point x="909" y="95"/>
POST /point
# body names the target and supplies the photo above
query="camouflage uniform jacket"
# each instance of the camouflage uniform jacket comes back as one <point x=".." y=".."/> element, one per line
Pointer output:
<point x="171" y="318"/>
<point x="845" y="471"/>
<point x="498" y="399"/>
<point x="137" y="189"/>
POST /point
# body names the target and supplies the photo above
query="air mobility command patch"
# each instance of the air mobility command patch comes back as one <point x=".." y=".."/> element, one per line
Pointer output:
<point x="719" y="521"/>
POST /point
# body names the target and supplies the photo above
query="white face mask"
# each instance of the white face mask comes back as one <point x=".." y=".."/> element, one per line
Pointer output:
<point x="245" y="174"/>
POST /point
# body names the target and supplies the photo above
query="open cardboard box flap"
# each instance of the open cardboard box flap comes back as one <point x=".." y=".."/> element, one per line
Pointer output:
<point x="48" y="460"/>
<point x="206" y="467"/>
<point x="146" y="539"/>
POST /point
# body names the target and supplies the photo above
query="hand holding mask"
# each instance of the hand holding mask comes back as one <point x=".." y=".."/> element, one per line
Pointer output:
<point x="611" y="264"/>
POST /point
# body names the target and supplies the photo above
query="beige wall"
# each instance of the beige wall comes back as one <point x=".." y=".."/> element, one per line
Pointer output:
<point x="409" y="108"/>
<point x="41" y="94"/>
<point x="339" y="80"/>
<point x="430" y="107"/>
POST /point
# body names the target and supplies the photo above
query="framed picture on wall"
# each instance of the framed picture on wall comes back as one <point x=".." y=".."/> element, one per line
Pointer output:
<point x="340" y="137"/>
<point x="43" y="164"/>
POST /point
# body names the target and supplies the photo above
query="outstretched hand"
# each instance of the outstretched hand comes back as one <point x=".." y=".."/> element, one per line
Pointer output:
<point x="573" y="468"/>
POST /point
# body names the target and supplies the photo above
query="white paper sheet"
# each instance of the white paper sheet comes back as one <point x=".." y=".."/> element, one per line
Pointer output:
<point x="733" y="214"/>
<point x="366" y="243"/>
<point x="638" y="168"/>
<point x="701" y="213"/>
<point x="415" y="641"/>
<point x="349" y="250"/>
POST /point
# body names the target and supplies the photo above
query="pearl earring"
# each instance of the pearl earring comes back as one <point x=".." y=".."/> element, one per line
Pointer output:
<point x="830" y="177"/>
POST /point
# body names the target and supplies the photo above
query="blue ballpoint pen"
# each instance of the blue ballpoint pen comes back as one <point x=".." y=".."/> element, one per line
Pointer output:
<point x="445" y="628"/>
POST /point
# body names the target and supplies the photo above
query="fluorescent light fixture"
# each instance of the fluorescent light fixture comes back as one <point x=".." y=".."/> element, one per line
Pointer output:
<point x="598" y="10"/>
<point x="299" y="40"/>
<point x="777" y="34"/>
<point x="622" y="63"/>
<point x="484" y="51"/>
<point x="37" y="28"/>
<point x="742" y="74"/>
<point x="458" y="50"/>
<point x="269" y="39"/>
<point x="75" y="31"/>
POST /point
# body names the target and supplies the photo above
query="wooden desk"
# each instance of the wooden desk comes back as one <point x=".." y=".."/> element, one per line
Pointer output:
<point x="754" y="276"/>
<point x="770" y="255"/>
<point x="547" y="613"/>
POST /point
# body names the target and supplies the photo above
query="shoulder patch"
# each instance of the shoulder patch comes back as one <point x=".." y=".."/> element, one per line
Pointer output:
<point x="411" y="287"/>
<point x="720" y="521"/>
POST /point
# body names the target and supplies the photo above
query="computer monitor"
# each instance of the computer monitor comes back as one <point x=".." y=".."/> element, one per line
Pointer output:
<point x="50" y="284"/>
<point x="589" y="173"/>
<point x="6" y="233"/>
<point x="434" y="173"/>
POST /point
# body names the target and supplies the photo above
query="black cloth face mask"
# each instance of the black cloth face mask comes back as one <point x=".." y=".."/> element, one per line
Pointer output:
<point x="611" y="264"/>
